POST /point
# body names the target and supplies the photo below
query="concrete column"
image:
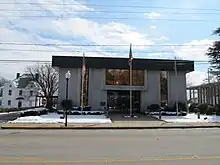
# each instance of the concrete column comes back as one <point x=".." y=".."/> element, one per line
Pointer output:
<point x="193" y="95"/>
<point x="215" y="95"/>
<point x="218" y="94"/>
<point x="206" y="96"/>
<point x="203" y="93"/>
<point x="212" y="95"/>
<point x="199" y="95"/>
<point x="190" y="96"/>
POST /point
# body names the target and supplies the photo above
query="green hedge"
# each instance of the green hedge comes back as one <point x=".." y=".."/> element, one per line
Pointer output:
<point x="181" y="106"/>
<point x="67" y="104"/>
<point x="192" y="108"/>
<point x="207" y="109"/>
<point x="203" y="108"/>
<point x="217" y="109"/>
<point x="211" y="110"/>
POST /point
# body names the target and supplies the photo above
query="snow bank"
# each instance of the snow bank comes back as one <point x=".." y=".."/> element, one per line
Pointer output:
<point x="54" y="118"/>
<point x="28" y="110"/>
<point x="190" y="118"/>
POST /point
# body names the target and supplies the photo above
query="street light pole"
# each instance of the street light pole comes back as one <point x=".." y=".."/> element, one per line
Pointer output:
<point x="68" y="75"/>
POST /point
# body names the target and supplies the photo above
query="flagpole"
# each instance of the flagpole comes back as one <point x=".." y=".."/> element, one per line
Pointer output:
<point x="82" y="83"/>
<point x="131" y="89"/>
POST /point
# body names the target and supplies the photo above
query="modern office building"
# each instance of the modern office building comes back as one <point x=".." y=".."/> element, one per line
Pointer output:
<point x="107" y="80"/>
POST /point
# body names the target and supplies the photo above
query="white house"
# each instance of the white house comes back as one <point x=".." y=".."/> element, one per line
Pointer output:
<point x="18" y="93"/>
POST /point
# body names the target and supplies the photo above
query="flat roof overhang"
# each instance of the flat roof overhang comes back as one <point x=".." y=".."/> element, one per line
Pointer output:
<point x="121" y="63"/>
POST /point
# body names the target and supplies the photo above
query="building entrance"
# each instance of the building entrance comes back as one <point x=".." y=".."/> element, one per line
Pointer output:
<point x="119" y="100"/>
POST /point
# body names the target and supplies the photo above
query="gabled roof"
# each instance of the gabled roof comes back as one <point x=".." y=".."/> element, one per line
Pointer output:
<point x="22" y="82"/>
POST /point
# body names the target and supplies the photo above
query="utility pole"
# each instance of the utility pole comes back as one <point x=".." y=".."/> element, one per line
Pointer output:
<point x="82" y="83"/>
<point x="175" y="70"/>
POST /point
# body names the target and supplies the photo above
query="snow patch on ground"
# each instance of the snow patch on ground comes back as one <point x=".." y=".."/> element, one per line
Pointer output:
<point x="55" y="118"/>
<point x="34" y="109"/>
<point x="191" y="118"/>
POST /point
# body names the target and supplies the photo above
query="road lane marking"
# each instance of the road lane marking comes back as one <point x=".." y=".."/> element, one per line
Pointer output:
<point x="44" y="160"/>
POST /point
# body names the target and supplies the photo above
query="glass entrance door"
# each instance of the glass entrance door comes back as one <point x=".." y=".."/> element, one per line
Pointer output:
<point x="119" y="100"/>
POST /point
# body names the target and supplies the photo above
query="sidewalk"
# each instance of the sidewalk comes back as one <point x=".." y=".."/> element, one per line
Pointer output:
<point x="115" y="125"/>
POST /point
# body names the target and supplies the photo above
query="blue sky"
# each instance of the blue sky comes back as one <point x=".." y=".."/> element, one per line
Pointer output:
<point x="155" y="28"/>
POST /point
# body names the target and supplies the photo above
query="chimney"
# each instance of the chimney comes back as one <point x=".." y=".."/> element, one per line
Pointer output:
<point x="17" y="75"/>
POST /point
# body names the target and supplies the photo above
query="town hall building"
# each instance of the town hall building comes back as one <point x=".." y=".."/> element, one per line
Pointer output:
<point x="107" y="81"/>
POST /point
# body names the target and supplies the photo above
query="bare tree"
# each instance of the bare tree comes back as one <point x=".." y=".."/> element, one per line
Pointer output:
<point x="47" y="78"/>
<point x="3" y="81"/>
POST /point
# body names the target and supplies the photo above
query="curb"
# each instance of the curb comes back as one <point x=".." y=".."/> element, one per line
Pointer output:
<point x="107" y="128"/>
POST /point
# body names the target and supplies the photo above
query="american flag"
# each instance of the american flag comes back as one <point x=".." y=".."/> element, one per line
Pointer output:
<point x="130" y="56"/>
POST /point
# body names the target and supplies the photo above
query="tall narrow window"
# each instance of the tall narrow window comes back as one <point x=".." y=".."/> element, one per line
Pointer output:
<point x="19" y="104"/>
<point x="164" y="87"/>
<point x="10" y="92"/>
<point x="138" y="77"/>
<point x="85" y="88"/>
<point x="1" y="92"/>
<point x="20" y="92"/>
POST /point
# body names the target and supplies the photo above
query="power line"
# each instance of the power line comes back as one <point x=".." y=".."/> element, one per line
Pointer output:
<point x="90" y="51"/>
<point x="37" y="61"/>
<point x="112" y="12"/>
<point x="104" y="45"/>
<point x="116" y="18"/>
<point x="107" y="5"/>
<point x="41" y="61"/>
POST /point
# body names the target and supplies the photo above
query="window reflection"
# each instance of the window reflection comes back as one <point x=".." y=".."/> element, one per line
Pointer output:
<point x="122" y="77"/>
<point x="164" y="87"/>
<point x="120" y="100"/>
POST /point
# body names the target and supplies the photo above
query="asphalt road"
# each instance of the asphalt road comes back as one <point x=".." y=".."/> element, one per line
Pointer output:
<point x="110" y="147"/>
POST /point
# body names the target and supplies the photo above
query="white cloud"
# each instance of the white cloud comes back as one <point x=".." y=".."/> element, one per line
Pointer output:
<point x="44" y="7"/>
<point x="163" y="38"/>
<point x="153" y="27"/>
<point x="195" y="78"/>
<point x="110" y="33"/>
<point x="152" y="15"/>
<point x="193" y="50"/>
<point x="61" y="31"/>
